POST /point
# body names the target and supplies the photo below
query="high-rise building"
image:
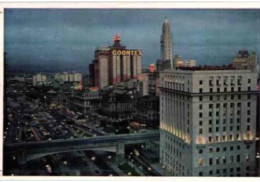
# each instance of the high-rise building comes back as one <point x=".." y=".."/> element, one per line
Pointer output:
<point x="166" y="43"/>
<point x="208" y="121"/>
<point x="115" y="64"/>
<point x="244" y="60"/>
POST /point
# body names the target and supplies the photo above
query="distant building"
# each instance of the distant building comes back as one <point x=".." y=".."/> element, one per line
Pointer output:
<point x="190" y="63"/>
<point x="86" y="103"/>
<point x="116" y="108"/>
<point x="153" y="83"/>
<point x="147" y="108"/>
<point x="115" y="64"/>
<point x="68" y="77"/>
<point x="208" y="122"/>
<point x="143" y="84"/>
<point x="178" y="62"/>
<point x="39" y="79"/>
<point x="244" y="60"/>
<point x="166" y="44"/>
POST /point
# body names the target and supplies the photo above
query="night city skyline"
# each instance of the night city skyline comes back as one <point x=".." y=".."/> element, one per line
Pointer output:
<point x="71" y="36"/>
<point x="106" y="92"/>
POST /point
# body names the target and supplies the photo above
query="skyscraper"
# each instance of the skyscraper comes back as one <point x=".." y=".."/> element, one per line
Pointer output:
<point x="114" y="64"/>
<point x="166" y="43"/>
<point x="208" y="121"/>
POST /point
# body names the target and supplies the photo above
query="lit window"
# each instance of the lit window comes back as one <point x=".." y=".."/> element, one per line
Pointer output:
<point x="200" y="162"/>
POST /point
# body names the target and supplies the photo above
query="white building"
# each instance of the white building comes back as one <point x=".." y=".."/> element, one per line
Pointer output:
<point x="208" y="122"/>
<point x="190" y="63"/>
<point x="39" y="79"/>
<point x="77" y="77"/>
<point x="68" y="77"/>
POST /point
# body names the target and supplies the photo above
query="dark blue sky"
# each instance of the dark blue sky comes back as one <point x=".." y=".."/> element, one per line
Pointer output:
<point x="68" y="38"/>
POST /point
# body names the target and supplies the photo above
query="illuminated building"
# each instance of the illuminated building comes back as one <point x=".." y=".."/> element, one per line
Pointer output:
<point x="115" y="64"/>
<point x="208" y="121"/>
<point x="177" y="61"/>
<point x="152" y="68"/>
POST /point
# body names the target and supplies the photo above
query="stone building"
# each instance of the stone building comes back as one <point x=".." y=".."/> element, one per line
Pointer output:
<point x="208" y="121"/>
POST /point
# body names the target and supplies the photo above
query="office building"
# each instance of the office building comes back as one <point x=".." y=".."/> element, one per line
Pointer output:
<point x="86" y="103"/>
<point x="115" y="64"/>
<point x="208" y="121"/>
<point x="166" y="60"/>
<point x="244" y="60"/>
<point x="166" y="43"/>
<point x="116" y="106"/>
<point x="148" y="111"/>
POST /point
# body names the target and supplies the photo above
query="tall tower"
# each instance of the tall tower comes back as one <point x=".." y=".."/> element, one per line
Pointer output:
<point x="166" y="42"/>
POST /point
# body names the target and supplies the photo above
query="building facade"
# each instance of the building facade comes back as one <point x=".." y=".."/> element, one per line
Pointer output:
<point x="208" y="122"/>
<point x="166" y="42"/>
<point x="39" y="79"/>
<point x="116" y="108"/>
<point x="244" y="60"/>
<point x="190" y="63"/>
<point x="115" y="64"/>
<point x="86" y="103"/>
<point x="148" y="111"/>
<point x="68" y="77"/>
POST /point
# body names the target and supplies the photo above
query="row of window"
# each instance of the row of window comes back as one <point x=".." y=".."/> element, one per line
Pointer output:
<point x="225" y="81"/>
<point x="223" y="129"/>
<point x="224" y="113"/>
<point x="224" y="160"/>
<point x="231" y="170"/>
<point x="226" y="138"/>
<point x="224" y="149"/>
<point x="225" y="89"/>
<point x="225" y="105"/>
<point x="225" y="97"/>
<point x="224" y="121"/>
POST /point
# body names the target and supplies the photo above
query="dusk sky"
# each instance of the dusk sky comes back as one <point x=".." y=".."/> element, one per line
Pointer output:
<point x="68" y="38"/>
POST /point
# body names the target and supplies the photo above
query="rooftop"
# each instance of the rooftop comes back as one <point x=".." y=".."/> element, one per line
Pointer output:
<point x="207" y="68"/>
